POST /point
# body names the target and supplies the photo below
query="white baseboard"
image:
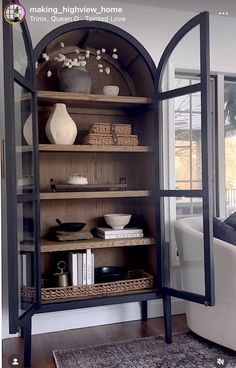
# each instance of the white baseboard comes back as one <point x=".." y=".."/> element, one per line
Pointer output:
<point x="87" y="317"/>
<point x="5" y="330"/>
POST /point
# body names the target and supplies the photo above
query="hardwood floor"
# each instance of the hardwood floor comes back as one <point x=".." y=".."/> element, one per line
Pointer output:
<point x="44" y="344"/>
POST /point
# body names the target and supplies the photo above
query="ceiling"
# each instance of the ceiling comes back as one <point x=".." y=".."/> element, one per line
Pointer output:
<point x="213" y="6"/>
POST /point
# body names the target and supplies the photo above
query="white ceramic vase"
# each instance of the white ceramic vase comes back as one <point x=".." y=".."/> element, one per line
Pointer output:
<point x="60" y="128"/>
<point x="27" y="131"/>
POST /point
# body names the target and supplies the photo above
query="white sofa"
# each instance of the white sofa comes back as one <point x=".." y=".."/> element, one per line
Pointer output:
<point x="218" y="323"/>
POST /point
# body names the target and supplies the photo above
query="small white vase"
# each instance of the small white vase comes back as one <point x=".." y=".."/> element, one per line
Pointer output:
<point x="60" y="128"/>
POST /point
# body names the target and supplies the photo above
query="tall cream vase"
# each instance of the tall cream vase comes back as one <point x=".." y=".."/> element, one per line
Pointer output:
<point x="60" y="128"/>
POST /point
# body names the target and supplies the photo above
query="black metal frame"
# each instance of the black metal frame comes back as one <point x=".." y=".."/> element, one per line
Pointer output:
<point x="206" y="193"/>
<point x="10" y="179"/>
<point x="99" y="301"/>
<point x="28" y="82"/>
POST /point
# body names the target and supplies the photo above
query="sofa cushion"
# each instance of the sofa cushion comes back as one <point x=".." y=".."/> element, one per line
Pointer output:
<point x="231" y="220"/>
<point x="223" y="231"/>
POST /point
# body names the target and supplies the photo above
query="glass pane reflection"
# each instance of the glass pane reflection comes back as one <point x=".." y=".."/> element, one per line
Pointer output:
<point x="182" y="148"/>
<point x="26" y="252"/>
<point x="186" y="250"/>
<point x="185" y="56"/>
<point x="19" y="51"/>
<point x="23" y="140"/>
<point x="230" y="147"/>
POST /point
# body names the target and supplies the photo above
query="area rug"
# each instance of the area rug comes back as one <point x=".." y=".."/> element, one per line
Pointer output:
<point x="186" y="351"/>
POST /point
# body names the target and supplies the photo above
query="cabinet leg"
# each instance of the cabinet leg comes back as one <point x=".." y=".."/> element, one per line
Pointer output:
<point x="27" y="343"/>
<point x="144" y="310"/>
<point x="167" y="318"/>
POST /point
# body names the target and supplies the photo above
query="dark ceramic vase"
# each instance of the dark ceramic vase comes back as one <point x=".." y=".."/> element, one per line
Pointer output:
<point x="76" y="79"/>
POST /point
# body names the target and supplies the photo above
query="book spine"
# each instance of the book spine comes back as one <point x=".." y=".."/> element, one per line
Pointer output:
<point x="120" y="236"/>
<point x="74" y="269"/>
<point x="80" y="268"/>
<point x="92" y="267"/>
<point x="88" y="263"/>
<point x="84" y="281"/>
<point x="73" y="266"/>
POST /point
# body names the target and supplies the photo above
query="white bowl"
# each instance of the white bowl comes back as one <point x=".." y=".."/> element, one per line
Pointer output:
<point x="117" y="220"/>
<point x="77" y="179"/>
<point x="111" y="90"/>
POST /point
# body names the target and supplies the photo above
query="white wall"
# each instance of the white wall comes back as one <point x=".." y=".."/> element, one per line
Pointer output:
<point x="153" y="27"/>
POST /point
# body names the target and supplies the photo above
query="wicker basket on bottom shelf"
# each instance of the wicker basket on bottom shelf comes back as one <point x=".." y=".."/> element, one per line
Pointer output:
<point x="137" y="280"/>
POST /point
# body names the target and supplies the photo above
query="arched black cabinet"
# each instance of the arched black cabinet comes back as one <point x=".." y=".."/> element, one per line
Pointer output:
<point x="140" y="102"/>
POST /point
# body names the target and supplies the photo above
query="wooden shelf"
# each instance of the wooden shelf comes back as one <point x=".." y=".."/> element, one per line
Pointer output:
<point x="48" y="246"/>
<point x="100" y="194"/>
<point x="90" y="148"/>
<point x="92" y="100"/>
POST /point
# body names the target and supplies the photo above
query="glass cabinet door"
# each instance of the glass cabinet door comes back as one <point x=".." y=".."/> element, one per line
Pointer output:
<point x="21" y="176"/>
<point x="185" y="188"/>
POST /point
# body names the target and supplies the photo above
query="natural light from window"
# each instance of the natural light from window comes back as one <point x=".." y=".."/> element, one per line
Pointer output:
<point x="188" y="159"/>
<point x="230" y="146"/>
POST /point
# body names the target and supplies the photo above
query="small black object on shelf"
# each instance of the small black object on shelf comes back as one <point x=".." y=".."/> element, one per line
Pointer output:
<point x="110" y="274"/>
<point x="70" y="226"/>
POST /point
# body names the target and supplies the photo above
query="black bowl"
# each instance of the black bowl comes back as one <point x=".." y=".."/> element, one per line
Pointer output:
<point x="109" y="274"/>
<point x="70" y="226"/>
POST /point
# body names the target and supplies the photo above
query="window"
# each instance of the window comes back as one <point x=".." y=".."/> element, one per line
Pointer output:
<point x="188" y="150"/>
<point x="188" y="138"/>
<point x="230" y="145"/>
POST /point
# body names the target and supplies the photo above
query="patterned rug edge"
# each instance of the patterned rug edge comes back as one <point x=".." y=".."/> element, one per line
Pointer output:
<point x="125" y="341"/>
<point x="161" y="337"/>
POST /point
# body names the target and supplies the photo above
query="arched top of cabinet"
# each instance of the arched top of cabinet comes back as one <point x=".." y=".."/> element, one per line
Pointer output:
<point x="133" y="66"/>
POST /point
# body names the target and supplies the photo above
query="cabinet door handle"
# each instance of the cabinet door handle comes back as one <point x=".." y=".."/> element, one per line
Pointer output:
<point x="3" y="162"/>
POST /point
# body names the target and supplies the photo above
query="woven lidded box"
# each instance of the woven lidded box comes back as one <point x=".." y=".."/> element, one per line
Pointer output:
<point x="111" y="140"/>
<point x="110" y="128"/>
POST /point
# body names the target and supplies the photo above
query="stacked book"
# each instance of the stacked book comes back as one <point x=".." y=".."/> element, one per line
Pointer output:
<point x="81" y="266"/>
<point x="107" y="233"/>
<point x="71" y="235"/>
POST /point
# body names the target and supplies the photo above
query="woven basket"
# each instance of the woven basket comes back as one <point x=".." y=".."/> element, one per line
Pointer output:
<point x="137" y="280"/>
<point x="109" y="128"/>
<point x="111" y="140"/>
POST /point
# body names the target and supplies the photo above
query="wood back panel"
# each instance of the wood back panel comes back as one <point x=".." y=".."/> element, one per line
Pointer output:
<point x="99" y="168"/>
<point x="133" y="76"/>
<point x="92" y="211"/>
<point x="129" y="71"/>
